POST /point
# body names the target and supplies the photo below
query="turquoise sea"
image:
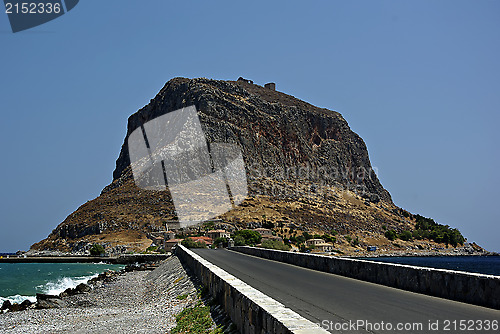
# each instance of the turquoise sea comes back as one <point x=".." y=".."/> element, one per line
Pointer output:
<point x="489" y="265"/>
<point x="20" y="281"/>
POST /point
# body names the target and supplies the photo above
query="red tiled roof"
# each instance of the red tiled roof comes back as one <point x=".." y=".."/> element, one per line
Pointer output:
<point x="173" y="240"/>
<point x="201" y="239"/>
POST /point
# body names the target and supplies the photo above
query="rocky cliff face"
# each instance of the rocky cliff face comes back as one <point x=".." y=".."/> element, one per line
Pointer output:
<point x="294" y="152"/>
<point x="279" y="134"/>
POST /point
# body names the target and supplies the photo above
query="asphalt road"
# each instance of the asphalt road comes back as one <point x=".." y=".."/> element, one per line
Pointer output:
<point x="345" y="305"/>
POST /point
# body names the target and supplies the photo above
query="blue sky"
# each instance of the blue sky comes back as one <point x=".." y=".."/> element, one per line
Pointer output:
<point x="417" y="80"/>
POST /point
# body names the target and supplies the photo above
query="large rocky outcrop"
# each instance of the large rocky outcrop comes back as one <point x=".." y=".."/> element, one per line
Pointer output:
<point x="278" y="133"/>
<point x="291" y="150"/>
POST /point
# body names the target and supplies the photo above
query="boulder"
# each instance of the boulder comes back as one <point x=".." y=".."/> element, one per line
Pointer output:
<point x="15" y="307"/>
<point x="26" y="304"/>
<point x="6" y="305"/>
<point x="82" y="288"/>
<point x="68" y="292"/>
<point x="44" y="301"/>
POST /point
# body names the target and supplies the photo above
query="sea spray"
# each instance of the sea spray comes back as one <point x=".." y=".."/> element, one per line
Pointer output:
<point x="56" y="287"/>
<point x="21" y="281"/>
<point x="17" y="299"/>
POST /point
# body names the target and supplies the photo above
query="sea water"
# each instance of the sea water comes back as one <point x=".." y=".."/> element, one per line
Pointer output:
<point x="489" y="265"/>
<point x="20" y="281"/>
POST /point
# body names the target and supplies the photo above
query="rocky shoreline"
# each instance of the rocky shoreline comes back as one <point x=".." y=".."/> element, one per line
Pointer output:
<point x="145" y="298"/>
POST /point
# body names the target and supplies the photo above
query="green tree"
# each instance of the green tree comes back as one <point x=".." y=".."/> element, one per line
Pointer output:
<point x="391" y="235"/>
<point x="96" y="250"/>
<point x="427" y="228"/>
<point x="221" y="240"/>
<point x="307" y="236"/>
<point x="208" y="225"/>
<point x="329" y="238"/>
<point x="301" y="239"/>
<point x="190" y="243"/>
<point x="239" y="240"/>
<point x="251" y="237"/>
<point x="406" y="236"/>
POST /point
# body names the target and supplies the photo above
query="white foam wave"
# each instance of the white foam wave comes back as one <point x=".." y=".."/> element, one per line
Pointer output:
<point x="17" y="299"/>
<point x="55" y="288"/>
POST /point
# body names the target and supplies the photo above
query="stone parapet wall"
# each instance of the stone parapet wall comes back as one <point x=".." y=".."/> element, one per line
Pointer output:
<point x="478" y="289"/>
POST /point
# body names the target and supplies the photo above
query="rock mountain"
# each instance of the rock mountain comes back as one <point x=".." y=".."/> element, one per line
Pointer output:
<point x="306" y="171"/>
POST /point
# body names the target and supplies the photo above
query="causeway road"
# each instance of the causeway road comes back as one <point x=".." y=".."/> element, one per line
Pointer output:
<point x="345" y="305"/>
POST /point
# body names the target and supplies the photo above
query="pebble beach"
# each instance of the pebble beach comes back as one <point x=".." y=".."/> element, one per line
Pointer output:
<point x="133" y="302"/>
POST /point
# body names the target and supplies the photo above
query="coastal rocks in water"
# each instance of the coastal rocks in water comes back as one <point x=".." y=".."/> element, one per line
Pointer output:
<point x="15" y="307"/>
<point x="66" y="293"/>
<point x="49" y="301"/>
<point x="106" y="276"/>
<point x="80" y="288"/>
<point x="8" y="306"/>
<point x="26" y="304"/>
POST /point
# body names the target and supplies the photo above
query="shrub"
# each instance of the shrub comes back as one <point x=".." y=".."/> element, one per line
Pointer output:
<point x="418" y="234"/>
<point x="391" y="235"/>
<point x="152" y="249"/>
<point x="355" y="242"/>
<point x="193" y="320"/>
<point x="328" y="238"/>
<point x="96" y="250"/>
<point x="305" y="249"/>
<point x="275" y="244"/>
<point x="406" y="236"/>
<point x="182" y="297"/>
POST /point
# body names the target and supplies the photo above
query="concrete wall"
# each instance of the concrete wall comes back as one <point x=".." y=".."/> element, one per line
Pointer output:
<point x="478" y="289"/>
<point x="251" y="310"/>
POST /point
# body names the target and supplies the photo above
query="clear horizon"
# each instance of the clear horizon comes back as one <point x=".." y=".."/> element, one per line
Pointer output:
<point x="418" y="81"/>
